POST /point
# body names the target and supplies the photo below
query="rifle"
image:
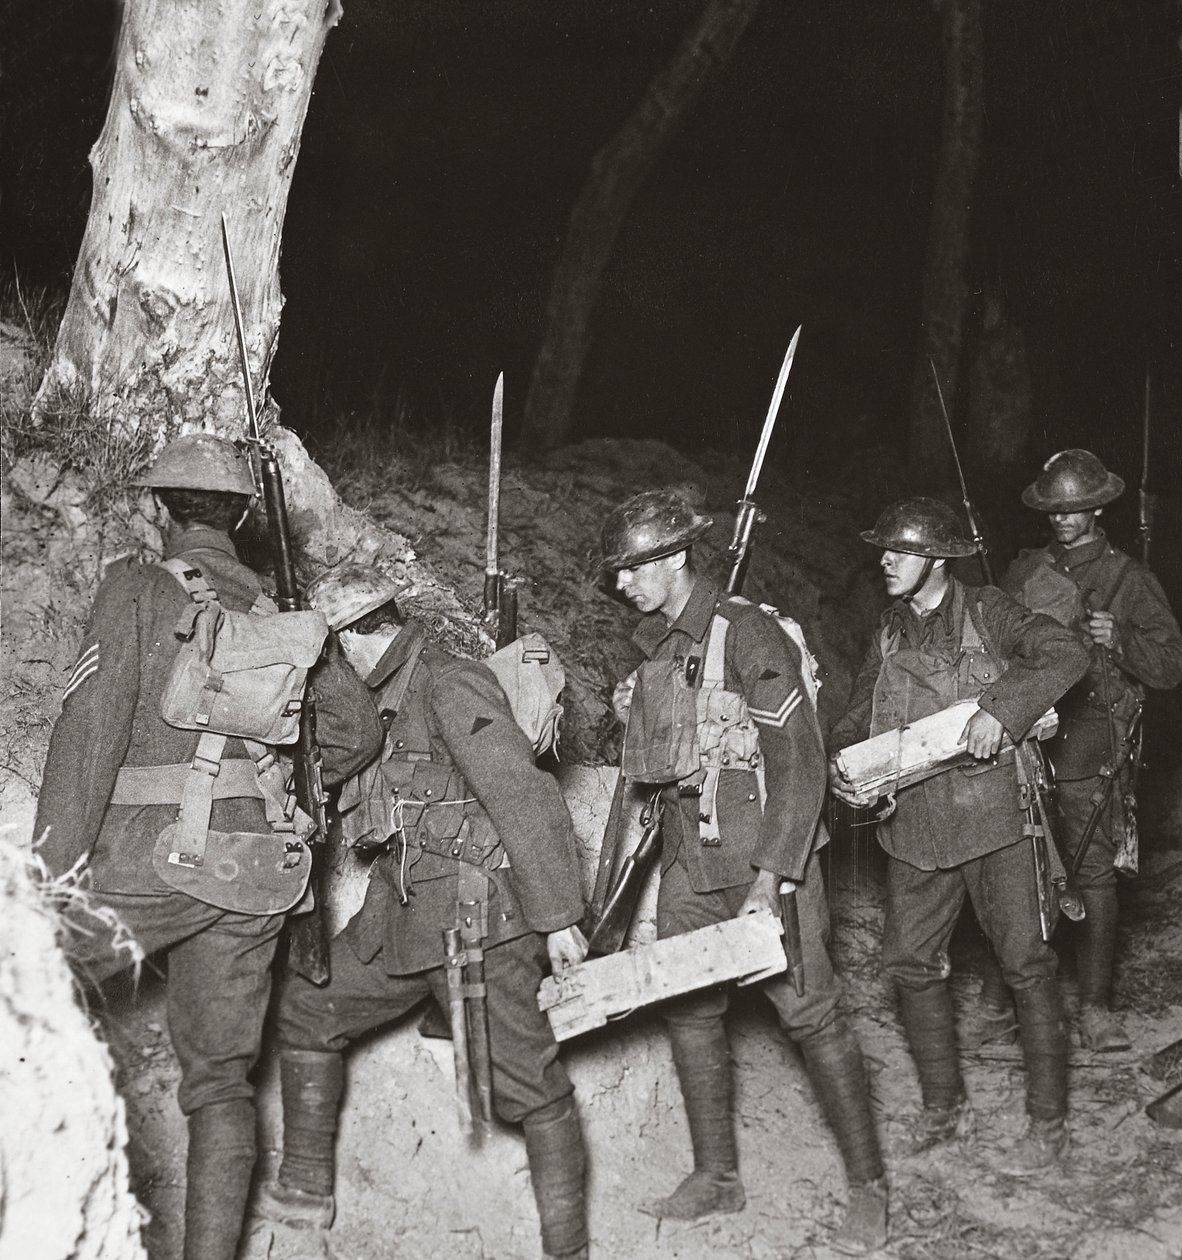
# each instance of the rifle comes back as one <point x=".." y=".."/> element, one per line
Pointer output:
<point x="500" y="596"/>
<point x="738" y="555"/>
<point x="1055" y="885"/>
<point x="1110" y="773"/>
<point x="1144" y="501"/>
<point x="307" y="937"/>
<point x="974" y="527"/>
<point x="615" y="915"/>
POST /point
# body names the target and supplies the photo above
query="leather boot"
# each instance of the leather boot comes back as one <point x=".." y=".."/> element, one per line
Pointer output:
<point x="931" y="1034"/>
<point x="703" y="1061"/>
<point x="838" y="1073"/>
<point x="1095" y="952"/>
<point x="558" y="1170"/>
<point x="991" y="1020"/>
<point x="310" y="1082"/>
<point x="221" y="1160"/>
<point x="1044" y="1049"/>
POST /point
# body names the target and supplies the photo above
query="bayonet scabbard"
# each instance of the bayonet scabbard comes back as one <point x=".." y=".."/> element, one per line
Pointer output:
<point x="793" y="951"/>
<point x="453" y="949"/>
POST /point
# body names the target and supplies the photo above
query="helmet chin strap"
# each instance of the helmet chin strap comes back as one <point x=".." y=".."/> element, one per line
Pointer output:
<point x="929" y="564"/>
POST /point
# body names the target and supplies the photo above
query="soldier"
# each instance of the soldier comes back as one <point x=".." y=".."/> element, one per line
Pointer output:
<point x="959" y="832"/>
<point x="115" y="784"/>
<point x="1120" y="612"/>
<point x="463" y="815"/>
<point x="744" y="821"/>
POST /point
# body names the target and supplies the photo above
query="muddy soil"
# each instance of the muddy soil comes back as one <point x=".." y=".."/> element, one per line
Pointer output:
<point x="407" y="1184"/>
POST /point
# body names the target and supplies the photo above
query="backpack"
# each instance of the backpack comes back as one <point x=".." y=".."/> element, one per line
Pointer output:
<point x="240" y="674"/>
<point x="532" y="677"/>
<point x="236" y="675"/>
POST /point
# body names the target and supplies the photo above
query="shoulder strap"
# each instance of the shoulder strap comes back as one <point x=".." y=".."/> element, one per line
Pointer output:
<point x="714" y="666"/>
<point x="1124" y="564"/>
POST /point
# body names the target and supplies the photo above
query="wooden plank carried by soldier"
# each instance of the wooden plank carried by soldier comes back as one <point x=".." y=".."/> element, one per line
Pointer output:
<point x="926" y="747"/>
<point x="586" y="996"/>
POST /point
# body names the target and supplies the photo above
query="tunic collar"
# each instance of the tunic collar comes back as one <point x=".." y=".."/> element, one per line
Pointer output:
<point x="1068" y="558"/>
<point x="693" y="620"/>
<point x="903" y="617"/>
<point x="397" y="654"/>
<point x="178" y="540"/>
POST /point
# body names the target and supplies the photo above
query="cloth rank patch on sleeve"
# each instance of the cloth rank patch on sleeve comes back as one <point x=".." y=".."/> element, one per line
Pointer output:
<point x="779" y="717"/>
<point x="87" y="665"/>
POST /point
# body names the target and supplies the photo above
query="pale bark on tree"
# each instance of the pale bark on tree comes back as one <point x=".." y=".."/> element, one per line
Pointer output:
<point x="946" y="279"/>
<point x="618" y="171"/>
<point x="207" y="108"/>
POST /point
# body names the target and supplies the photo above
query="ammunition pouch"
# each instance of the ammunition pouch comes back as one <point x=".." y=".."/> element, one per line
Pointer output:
<point x="661" y="738"/>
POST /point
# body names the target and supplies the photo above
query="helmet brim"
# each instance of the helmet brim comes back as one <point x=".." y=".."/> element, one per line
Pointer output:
<point x="951" y="551"/>
<point x="1112" y="489"/>
<point x="630" y="560"/>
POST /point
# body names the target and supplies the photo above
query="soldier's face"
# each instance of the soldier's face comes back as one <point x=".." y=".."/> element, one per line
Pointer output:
<point x="648" y="586"/>
<point x="1072" y="529"/>
<point x="901" y="571"/>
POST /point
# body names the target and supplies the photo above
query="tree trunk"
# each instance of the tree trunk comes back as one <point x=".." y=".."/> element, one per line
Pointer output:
<point x="618" y="171"/>
<point x="206" y="110"/>
<point x="946" y="282"/>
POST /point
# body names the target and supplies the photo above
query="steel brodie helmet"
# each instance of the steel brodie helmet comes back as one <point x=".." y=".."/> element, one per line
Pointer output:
<point x="920" y="527"/>
<point x="349" y="591"/>
<point x="199" y="461"/>
<point x="1072" y="481"/>
<point x="648" y="526"/>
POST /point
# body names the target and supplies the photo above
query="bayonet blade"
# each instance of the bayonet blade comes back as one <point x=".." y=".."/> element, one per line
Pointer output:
<point x="491" y="566"/>
<point x="251" y="414"/>
<point x="770" y="422"/>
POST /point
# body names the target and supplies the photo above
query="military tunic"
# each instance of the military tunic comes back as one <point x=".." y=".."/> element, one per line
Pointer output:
<point x="219" y="961"/>
<point x="453" y="746"/>
<point x="958" y="832"/>
<point x="705" y="880"/>
<point x="1066" y="582"/>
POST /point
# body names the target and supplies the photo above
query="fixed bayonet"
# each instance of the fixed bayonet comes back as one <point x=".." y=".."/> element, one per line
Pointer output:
<point x="746" y="512"/>
<point x="974" y="528"/>
<point x="500" y="596"/>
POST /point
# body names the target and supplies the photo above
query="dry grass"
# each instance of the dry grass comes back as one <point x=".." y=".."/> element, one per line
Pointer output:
<point x="70" y="427"/>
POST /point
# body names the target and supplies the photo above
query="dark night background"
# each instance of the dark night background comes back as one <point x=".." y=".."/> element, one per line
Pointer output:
<point x="447" y="140"/>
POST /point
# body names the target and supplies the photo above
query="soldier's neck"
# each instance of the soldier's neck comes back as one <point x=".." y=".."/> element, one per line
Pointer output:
<point x="931" y="594"/>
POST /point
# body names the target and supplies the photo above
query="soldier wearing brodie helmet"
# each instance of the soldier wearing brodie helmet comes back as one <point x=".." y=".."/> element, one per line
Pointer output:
<point x="1120" y="613"/>
<point x="742" y="818"/>
<point x="121" y="778"/>
<point x="959" y="833"/>
<point x="470" y="834"/>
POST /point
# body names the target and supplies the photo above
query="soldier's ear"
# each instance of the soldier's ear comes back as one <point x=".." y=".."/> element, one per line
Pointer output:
<point x="679" y="559"/>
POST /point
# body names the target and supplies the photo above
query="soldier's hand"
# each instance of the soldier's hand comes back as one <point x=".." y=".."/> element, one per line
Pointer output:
<point x="763" y="895"/>
<point x="844" y="790"/>
<point x="982" y="735"/>
<point x="566" y="948"/>
<point x="1102" y="627"/>
<point x="622" y="697"/>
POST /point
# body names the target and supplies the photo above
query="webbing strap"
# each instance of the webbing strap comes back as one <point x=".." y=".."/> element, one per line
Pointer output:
<point x="472" y="908"/>
<point x="164" y="785"/>
<point x="192" y="824"/>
